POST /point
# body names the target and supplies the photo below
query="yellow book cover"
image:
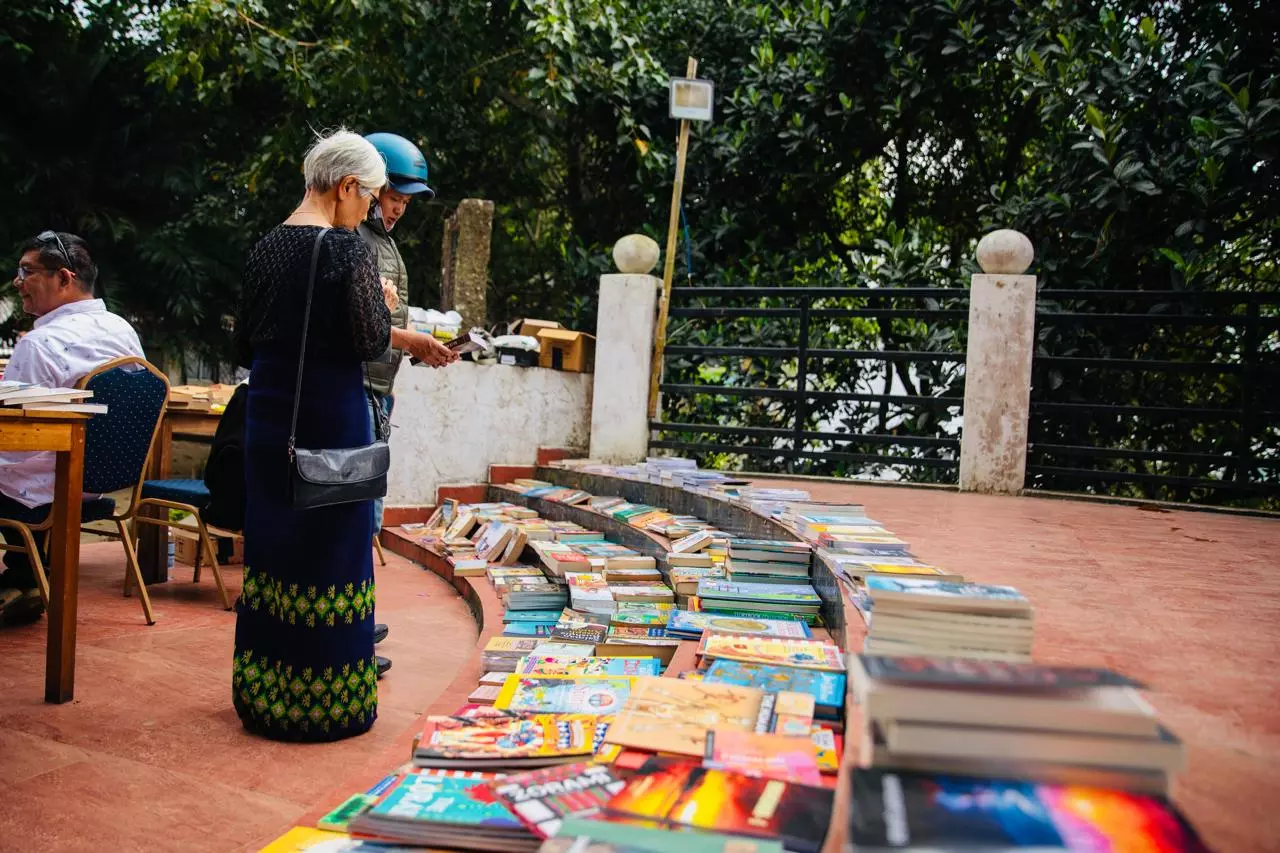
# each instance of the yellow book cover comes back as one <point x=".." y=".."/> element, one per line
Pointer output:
<point x="303" y="838"/>
<point x="564" y="694"/>
<point x="804" y="654"/>
<point x="673" y="714"/>
<point x="524" y="645"/>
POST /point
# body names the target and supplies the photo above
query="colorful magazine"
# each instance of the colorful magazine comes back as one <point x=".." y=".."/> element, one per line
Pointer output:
<point x="436" y="798"/>
<point x="827" y="688"/>
<point x="806" y="654"/>
<point x="542" y="799"/>
<point x="564" y="694"/>
<point x="546" y="665"/>
<point x="501" y="740"/>
<point x="673" y="715"/>
<point x="682" y="794"/>
<point x="771" y="756"/>
<point x="686" y="624"/>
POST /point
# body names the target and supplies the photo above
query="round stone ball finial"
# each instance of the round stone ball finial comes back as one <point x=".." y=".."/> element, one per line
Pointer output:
<point x="635" y="254"/>
<point x="1005" y="252"/>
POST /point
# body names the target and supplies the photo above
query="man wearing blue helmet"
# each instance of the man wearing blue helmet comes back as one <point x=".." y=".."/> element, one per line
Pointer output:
<point x="406" y="178"/>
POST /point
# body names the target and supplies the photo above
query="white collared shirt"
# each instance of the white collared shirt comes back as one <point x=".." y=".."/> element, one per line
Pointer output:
<point x="63" y="346"/>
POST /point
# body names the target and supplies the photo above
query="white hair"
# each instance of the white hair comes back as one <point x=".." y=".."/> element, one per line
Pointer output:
<point x="342" y="154"/>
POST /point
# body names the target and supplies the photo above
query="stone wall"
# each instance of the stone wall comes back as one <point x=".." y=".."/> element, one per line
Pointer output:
<point x="449" y="425"/>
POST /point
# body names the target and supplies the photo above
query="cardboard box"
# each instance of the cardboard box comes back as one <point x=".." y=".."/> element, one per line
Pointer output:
<point x="531" y="327"/>
<point x="563" y="349"/>
<point x="187" y="545"/>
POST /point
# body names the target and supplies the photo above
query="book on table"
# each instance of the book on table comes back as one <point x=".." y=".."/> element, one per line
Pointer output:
<point x="438" y="807"/>
<point x="543" y="799"/>
<point x="827" y="688"/>
<point x="905" y="811"/>
<point x="597" y="836"/>
<point x="768" y="755"/>
<point x="689" y="625"/>
<point x="544" y="665"/>
<point x="559" y="694"/>
<point x="802" y="653"/>
<point x="674" y="715"/>
<point x="501" y="740"/>
<point x="639" y="641"/>
<point x="1056" y="724"/>
<point x="682" y="794"/>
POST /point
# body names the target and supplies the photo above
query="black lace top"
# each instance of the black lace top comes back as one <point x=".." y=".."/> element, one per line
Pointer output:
<point x="348" y="315"/>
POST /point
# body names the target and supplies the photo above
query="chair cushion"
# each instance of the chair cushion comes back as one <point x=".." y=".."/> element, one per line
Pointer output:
<point x="91" y="509"/>
<point x="192" y="492"/>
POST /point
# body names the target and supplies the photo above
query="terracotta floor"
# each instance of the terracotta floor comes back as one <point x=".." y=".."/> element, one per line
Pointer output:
<point x="150" y="755"/>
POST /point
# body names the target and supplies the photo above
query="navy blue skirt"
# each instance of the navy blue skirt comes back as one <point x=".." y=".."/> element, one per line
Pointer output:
<point x="304" y="665"/>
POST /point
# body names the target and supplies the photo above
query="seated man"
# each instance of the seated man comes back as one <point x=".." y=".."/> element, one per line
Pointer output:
<point x="73" y="333"/>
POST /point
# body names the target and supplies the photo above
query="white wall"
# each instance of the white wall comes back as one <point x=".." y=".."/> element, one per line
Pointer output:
<point x="449" y="425"/>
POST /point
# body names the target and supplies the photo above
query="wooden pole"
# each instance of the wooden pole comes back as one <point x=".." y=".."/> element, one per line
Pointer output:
<point x="669" y="261"/>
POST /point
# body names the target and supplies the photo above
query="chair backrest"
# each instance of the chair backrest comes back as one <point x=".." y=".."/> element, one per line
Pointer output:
<point x="117" y="445"/>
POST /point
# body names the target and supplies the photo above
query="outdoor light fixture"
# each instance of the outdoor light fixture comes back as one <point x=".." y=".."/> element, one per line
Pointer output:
<point x="692" y="100"/>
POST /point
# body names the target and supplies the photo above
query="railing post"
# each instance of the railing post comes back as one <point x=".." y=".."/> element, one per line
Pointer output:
<point x="802" y="380"/>
<point x="624" y="353"/>
<point x="997" y="377"/>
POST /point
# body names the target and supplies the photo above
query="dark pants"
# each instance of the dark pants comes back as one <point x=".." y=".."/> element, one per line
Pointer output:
<point x="18" y="573"/>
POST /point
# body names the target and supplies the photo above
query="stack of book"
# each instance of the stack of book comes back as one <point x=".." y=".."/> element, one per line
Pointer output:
<point x="921" y="616"/>
<point x="646" y="615"/>
<point x="754" y="599"/>
<point x="18" y="395"/>
<point x="561" y="559"/>
<point x="501" y="654"/>
<point x="1065" y="725"/>
<point x="768" y="561"/>
<point x="589" y="592"/>
<point x="532" y="594"/>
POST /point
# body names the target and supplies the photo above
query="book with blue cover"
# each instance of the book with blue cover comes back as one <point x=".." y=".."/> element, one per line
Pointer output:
<point x="741" y="591"/>
<point x="827" y="688"/>
<point x="551" y="616"/>
<point x="528" y="629"/>
<point x="928" y="594"/>
<point x="689" y="625"/>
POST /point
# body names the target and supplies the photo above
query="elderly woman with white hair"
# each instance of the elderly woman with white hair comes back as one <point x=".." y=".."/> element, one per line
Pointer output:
<point x="304" y="666"/>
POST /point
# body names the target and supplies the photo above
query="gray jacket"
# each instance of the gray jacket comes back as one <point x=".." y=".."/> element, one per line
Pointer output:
<point x="382" y="373"/>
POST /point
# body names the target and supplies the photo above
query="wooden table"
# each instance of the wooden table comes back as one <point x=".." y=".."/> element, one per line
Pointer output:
<point x="153" y="541"/>
<point x="62" y="433"/>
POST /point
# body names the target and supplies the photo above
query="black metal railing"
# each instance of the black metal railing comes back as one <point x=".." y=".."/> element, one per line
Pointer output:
<point x="1165" y="395"/>
<point x="843" y="381"/>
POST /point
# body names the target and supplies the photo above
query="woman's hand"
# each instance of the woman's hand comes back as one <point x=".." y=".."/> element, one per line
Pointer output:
<point x="390" y="295"/>
<point x="429" y="351"/>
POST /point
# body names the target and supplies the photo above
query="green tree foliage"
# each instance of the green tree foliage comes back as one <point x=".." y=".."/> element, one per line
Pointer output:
<point x="855" y="141"/>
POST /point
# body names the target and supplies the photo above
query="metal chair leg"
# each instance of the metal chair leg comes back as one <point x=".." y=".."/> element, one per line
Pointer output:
<point x="377" y="546"/>
<point x="134" y="572"/>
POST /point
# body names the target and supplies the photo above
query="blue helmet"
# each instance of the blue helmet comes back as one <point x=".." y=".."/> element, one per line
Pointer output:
<point x="406" y="167"/>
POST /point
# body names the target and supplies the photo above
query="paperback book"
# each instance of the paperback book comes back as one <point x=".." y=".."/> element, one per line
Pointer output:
<point x="498" y="740"/>
<point x="543" y="799"/>
<point x="564" y="694"/>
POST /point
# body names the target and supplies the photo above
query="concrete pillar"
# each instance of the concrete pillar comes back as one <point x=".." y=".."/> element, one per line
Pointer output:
<point x="624" y="353"/>
<point x="997" y="380"/>
<point x="464" y="279"/>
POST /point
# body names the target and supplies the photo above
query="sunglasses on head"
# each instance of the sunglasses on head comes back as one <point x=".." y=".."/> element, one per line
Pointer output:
<point x="47" y="236"/>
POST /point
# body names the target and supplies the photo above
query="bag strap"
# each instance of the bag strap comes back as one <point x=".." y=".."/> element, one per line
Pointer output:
<point x="302" y="352"/>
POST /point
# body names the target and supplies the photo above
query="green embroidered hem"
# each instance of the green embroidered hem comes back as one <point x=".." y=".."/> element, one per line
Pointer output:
<point x="311" y="606"/>
<point x="276" y="701"/>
